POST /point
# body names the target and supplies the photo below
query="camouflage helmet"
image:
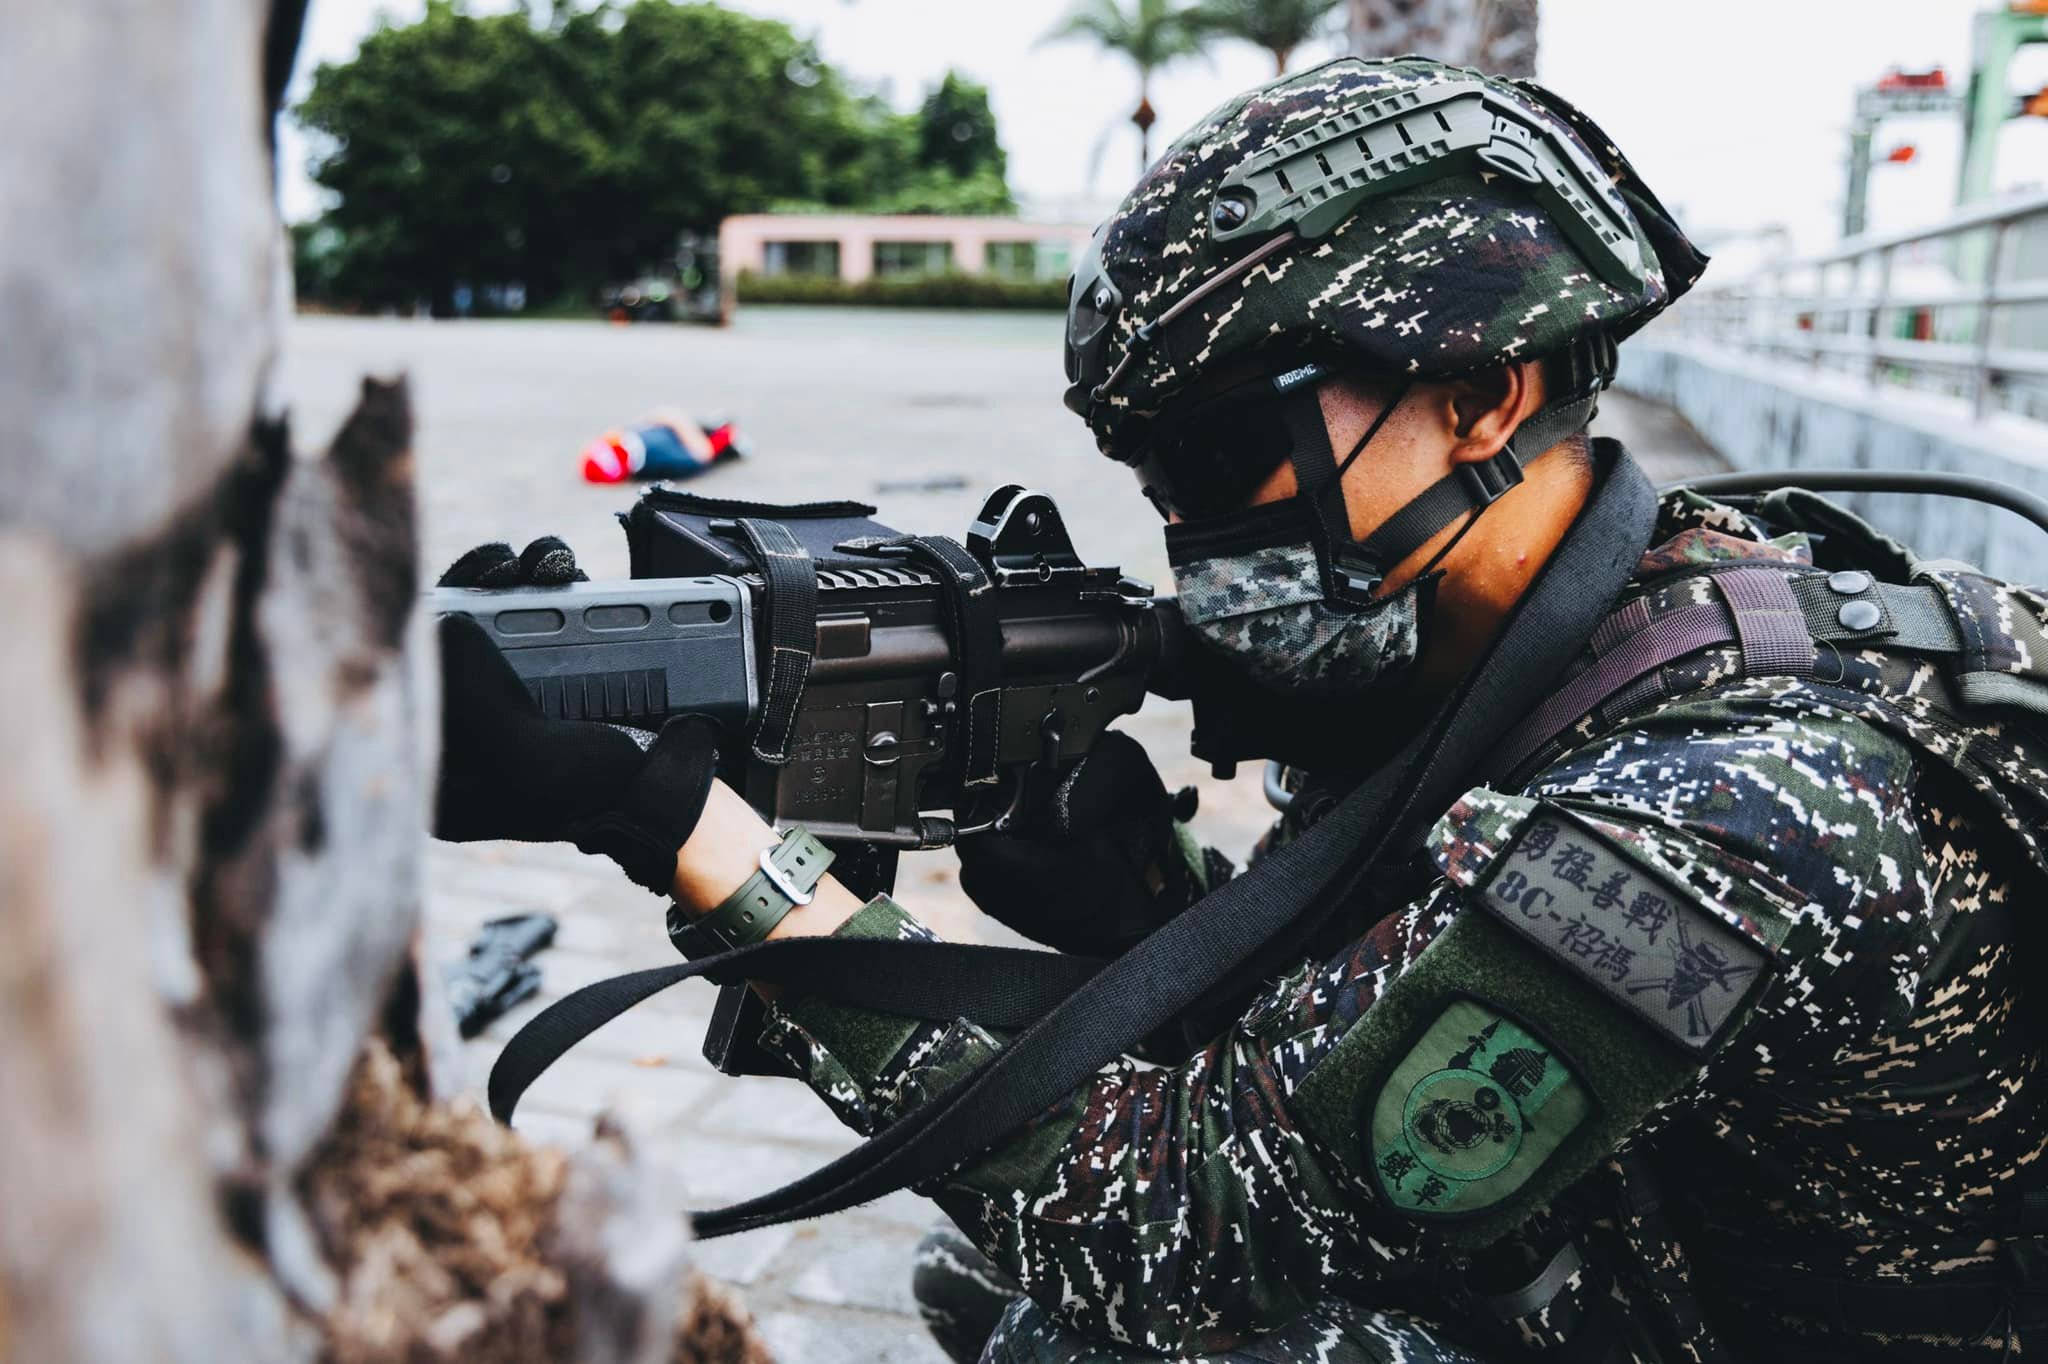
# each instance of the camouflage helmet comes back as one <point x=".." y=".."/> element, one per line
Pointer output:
<point x="1428" y="220"/>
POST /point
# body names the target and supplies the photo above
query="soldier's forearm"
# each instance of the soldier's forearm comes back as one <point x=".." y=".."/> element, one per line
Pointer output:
<point x="724" y="850"/>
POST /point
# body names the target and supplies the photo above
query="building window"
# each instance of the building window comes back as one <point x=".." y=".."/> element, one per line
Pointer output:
<point x="820" y="259"/>
<point x="1013" y="260"/>
<point x="894" y="259"/>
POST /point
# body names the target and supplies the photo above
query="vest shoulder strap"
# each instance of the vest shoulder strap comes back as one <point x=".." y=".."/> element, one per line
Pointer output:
<point x="1792" y="621"/>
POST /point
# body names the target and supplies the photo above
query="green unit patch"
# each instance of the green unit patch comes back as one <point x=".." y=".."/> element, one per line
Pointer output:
<point x="1471" y="1113"/>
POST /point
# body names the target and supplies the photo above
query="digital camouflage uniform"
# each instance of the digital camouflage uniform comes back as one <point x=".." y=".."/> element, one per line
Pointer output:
<point x="1809" y="883"/>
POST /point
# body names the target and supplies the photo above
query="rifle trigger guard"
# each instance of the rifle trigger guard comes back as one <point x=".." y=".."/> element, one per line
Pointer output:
<point x="1000" y="822"/>
<point x="1052" y="730"/>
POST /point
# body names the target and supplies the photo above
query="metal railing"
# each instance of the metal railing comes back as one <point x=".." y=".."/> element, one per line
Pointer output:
<point x="1959" y="306"/>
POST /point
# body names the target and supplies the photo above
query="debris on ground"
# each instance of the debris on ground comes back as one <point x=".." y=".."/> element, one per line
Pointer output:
<point x="448" y="1234"/>
<point x="937" y="483"/>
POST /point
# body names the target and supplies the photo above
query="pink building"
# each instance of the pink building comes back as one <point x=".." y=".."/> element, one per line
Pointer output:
<point x="854" y="246"/>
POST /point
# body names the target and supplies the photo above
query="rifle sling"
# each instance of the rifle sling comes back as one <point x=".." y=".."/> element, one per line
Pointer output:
<point x="976" y="634"/>
<point x="1077" y="1015"/>
<point x="792" y="606"/>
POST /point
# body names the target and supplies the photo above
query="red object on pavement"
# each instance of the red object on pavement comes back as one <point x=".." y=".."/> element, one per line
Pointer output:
<point x="605" y="461"/>
<point x="663" y="446"/>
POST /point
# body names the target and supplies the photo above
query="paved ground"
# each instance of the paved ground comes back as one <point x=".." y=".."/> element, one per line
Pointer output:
<point x="919" y="412"/>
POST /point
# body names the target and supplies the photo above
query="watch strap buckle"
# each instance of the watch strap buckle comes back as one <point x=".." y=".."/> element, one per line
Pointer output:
<point x="778" y="878"/>
<point x="786" y="877"/>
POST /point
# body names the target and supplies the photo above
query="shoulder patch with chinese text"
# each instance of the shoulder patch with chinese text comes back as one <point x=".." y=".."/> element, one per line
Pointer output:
<point x="1631" y="931"/>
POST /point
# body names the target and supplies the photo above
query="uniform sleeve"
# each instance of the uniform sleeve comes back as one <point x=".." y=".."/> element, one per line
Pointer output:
<point x="1453" y="1069"/>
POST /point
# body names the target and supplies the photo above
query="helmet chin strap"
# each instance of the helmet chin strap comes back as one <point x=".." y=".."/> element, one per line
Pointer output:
<point x="1358" y="566"/>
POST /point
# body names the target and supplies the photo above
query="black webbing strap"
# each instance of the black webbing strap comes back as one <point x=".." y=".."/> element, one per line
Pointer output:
<point x="1131" y="997"/>
<point x="792" y="606"/>
<point x="1475" y="487"/>
<point x="976" y="632"/>
<point x="997" y="987"/>
<point x="1775" y="616"/>
<point x="1469" y="487"/>
<point x="1915" y="618"/>
<point x="1315" y="465"/>
<point x="1552" y="423"/>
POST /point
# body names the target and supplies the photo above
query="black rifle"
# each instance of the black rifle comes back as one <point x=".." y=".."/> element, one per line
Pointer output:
<point x="901" y="713"/>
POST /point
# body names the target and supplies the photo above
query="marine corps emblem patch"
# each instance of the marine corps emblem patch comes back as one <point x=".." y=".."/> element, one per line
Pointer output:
<point x="1471" y="1113"/>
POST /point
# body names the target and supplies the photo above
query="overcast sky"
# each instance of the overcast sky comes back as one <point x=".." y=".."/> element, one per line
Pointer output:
<point x="1735" y="111"/>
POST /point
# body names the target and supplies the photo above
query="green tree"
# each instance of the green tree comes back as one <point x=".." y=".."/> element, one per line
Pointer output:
<point x="721" y="113"/>
<point x="1279" y="26"/>
<point x="317" y="260"/>
<point x="465" y="148"/>
<point x="1150" y="33"/>
<point x="956" y="129"/>
<point x="433" y="149"/>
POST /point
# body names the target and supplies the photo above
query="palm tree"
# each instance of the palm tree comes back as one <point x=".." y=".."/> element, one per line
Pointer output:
<point x="1279" y="26"/>
<point x="1497" y="36"/>
<point x="1151" y="33"/>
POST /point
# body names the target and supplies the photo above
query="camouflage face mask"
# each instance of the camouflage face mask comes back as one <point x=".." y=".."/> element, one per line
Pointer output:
<point x="1252" y="585"/>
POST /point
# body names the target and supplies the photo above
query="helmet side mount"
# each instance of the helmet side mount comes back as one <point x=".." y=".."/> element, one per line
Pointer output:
<point x="1314" y="179"/>
<point x="1093" y="302"/>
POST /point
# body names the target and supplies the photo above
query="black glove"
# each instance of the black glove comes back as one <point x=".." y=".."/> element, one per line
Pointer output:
<point x="1108" y="867"/>
<point x="507" y="771"/>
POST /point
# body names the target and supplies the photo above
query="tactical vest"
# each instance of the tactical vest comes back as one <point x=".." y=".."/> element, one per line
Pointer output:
<point x="1953" y="663"/>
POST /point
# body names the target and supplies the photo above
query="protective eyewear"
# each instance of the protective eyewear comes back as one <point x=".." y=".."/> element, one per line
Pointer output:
<point x="1211" y="456"/>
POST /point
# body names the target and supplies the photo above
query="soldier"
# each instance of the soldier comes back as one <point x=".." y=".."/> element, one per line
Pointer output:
<point x="1698" y="1029"/>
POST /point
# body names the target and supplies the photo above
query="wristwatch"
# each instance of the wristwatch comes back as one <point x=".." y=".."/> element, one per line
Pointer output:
<point x="788" y="875"/>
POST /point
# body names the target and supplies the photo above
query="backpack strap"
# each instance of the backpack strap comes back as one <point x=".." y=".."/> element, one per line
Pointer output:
<point x="1782" y="619"/>
<point x="1756" y="609"/>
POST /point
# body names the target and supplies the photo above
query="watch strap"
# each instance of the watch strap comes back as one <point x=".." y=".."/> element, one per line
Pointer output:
<point x="787" y="875"/>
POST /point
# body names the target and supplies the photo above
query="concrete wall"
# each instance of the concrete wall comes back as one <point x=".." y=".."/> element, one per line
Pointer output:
<point x="1774" y="414"/>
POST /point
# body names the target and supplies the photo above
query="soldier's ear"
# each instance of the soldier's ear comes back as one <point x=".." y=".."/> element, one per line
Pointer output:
<point x="1482" y="410"/>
